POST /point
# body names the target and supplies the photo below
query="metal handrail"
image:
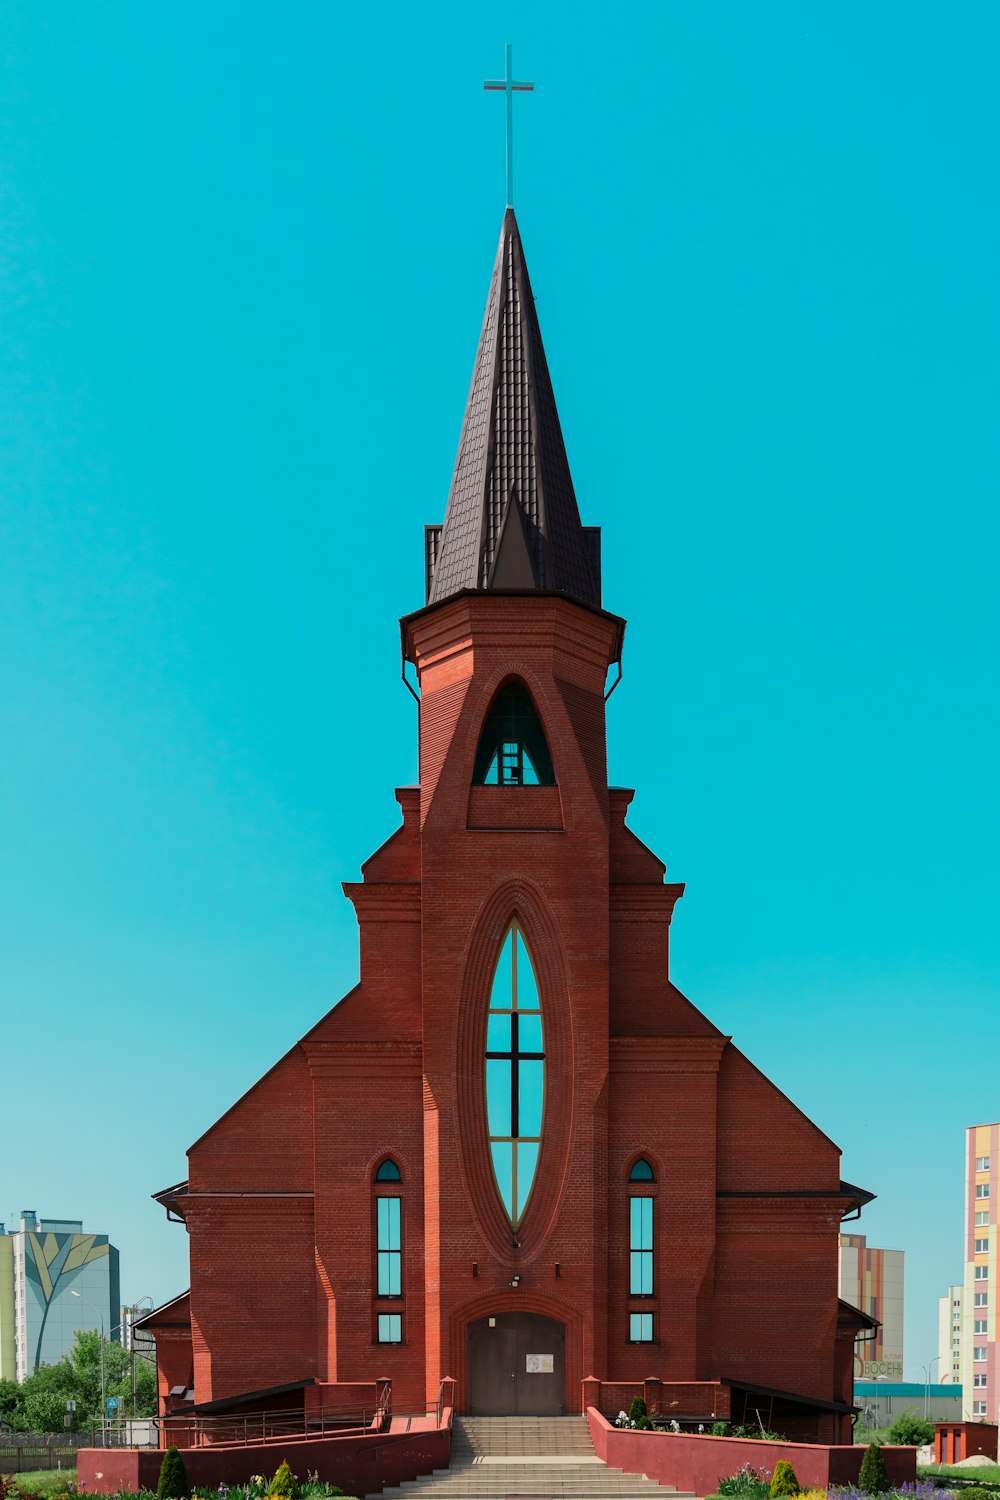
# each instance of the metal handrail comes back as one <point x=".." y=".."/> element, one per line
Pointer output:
<point x="189" y="1429"/>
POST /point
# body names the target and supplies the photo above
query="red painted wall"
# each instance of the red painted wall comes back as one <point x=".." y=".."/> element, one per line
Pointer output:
<point x="697" y="1463"/>
<point x="360" y="1465"/>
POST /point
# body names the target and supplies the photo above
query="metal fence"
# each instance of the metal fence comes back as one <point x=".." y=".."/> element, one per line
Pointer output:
<point x="22" y="1452"/>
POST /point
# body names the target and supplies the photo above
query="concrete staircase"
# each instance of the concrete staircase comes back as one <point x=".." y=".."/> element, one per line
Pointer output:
<point x="546" y="1458"/>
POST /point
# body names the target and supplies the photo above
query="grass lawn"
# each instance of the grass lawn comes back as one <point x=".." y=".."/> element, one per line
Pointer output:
<point x="985" y="1475"/>
<point x="43" y="1480"/>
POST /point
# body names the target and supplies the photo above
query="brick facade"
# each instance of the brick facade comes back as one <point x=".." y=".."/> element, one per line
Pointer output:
<point x="280" y="1200"/>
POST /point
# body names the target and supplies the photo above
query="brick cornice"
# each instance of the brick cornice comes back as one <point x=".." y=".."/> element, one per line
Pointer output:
<point x="667" y="1054"/>
<point x="384" y="901"/>
<point x="644" y="903"/>
<point x="381" y="1060"/>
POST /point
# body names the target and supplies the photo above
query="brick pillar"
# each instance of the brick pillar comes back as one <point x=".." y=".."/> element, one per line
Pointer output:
<point x="590" y="1393"/>
<point x="448" y="1392"/>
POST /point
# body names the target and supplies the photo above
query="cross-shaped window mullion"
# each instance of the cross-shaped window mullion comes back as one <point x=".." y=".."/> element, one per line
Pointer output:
<point x="515" y="1057"/>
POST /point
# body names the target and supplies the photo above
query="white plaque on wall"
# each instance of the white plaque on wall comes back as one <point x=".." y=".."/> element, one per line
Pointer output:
<point x="539" y="1364"/>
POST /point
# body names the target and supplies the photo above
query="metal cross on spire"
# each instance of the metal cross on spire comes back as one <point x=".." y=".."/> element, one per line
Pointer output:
<point x="509" y="85"/>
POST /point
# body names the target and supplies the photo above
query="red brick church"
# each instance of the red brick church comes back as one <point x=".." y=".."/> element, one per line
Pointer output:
<point x="514" y="1154"/>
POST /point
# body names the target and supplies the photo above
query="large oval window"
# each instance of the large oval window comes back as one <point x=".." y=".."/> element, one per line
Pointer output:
<point x="515" y="1074"/>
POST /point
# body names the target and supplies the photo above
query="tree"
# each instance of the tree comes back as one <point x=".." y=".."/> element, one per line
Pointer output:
<point x="173" y="1482"/>
<point x="10" y="1393"/>
<point x="38" y="1404"/>
<point x="873" y="1478"/>
<point x="911" y="1430"/>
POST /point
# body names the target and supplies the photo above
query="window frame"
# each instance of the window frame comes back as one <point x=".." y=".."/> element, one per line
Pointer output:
<point x="642" y="1255"/>
<point x="388" y="1304"/>
<point x="641" y="1317"/>
<point x="389" y="1317"/>
<point x="515" y="1055"/>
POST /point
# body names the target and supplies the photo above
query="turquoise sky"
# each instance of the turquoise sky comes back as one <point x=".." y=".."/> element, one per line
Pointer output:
<point x="245" y="255"/>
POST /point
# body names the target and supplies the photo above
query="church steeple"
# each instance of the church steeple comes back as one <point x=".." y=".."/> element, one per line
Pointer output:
<point x="512" y="520"/>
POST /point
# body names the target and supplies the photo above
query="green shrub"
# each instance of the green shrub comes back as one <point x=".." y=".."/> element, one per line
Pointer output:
<point x="784" y="1481"/>
<point x="978" y="1492"/>
<point x="283" y="1482"/>
<point x="173" y="1483"/>
<point x="719" y="1429"/>
<point x="873" y="1478"/>
<point x="911" y="1430"/>
<point x="637" y="1409"/>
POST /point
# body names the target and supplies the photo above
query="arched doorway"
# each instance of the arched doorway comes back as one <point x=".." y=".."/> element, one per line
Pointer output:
<point x="517" y="1363"/>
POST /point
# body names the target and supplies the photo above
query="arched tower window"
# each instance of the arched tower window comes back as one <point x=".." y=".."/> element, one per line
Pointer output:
<point x="641" y="1172"/>
<point x="515" y="1074"/>
<point x="512" y="747"/>
<point x="388" y="1227"/>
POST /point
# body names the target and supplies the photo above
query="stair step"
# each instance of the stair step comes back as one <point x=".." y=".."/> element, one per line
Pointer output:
<point x="530" y="1458"/>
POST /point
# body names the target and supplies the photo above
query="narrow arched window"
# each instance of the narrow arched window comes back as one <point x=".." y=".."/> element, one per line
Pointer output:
<point x="512" y="747"/>
<point x="388" y="1235"/>
<point x="515" y="1073"/>
<point x="640" y="1243"/>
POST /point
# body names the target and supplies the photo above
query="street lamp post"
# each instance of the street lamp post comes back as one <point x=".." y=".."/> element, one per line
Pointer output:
<point x="97" y="1310"/>
<point x="927" y="1385"/>
<point x="134" y="1309"/>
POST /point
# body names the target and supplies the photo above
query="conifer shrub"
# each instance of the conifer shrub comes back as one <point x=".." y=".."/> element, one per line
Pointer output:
<point x="873" y="1479"/>
<point x="173" y="1481"/>
<point x="637" y="1410"/>
<point x="784" y="1481"/>
<point x="283" y="1483"/>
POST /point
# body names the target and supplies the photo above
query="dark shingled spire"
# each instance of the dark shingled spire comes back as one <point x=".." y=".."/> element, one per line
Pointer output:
<point x="512" y="519"/>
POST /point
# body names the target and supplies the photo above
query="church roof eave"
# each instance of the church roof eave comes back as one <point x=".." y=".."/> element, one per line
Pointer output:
<point x="406" y="621"/>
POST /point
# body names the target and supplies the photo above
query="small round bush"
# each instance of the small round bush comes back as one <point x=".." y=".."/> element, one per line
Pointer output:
<point x="784" y="1481"/>
<point x="873" y="1479"/>
<point x="173" y="1481"/>
<point x="719" y="1429"/>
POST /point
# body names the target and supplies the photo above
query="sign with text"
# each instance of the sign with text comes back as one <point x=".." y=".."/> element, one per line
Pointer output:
<point x="539" y="1364"/>
<point x="891" y="1369"/>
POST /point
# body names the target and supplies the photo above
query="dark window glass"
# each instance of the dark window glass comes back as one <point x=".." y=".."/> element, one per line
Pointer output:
<point x="641" y="1172"/>
<point x="389" y="1248"/>
<point x="512" y="748"/>
<point x="640" y="1328"/>
<point x="641" y="1247"/>
<point x="387" y="1172"/>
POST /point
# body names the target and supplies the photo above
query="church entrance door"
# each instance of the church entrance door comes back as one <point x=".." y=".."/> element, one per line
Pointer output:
<point x="517" y="1366"/>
